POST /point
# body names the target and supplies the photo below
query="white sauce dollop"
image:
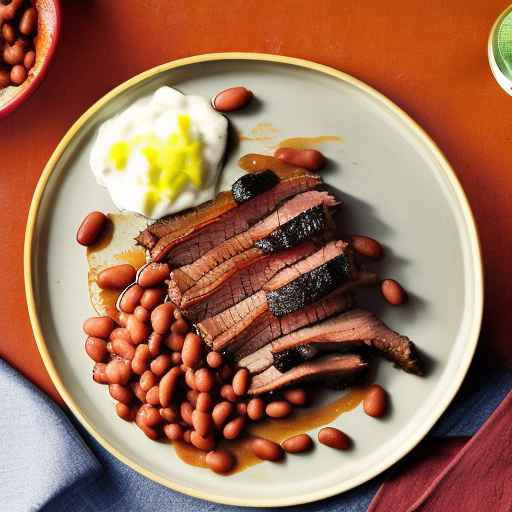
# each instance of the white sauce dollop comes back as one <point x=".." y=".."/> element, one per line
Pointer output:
<point x="158" y="116"/>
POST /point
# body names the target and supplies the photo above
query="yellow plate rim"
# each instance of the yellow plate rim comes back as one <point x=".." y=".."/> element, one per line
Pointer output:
<point x="53" y="372"/>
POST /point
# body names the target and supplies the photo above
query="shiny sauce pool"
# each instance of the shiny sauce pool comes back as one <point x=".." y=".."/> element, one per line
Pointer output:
<point x="303" y="420"/>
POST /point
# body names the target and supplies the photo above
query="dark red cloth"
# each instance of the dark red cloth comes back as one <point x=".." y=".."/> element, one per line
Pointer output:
<point x="455" y="476"/>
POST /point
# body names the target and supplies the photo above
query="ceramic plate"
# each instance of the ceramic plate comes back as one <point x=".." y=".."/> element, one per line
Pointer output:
<point x="396" y="186"/>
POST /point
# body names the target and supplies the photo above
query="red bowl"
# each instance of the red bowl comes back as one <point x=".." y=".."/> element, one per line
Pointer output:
<point x="48" y="30"/>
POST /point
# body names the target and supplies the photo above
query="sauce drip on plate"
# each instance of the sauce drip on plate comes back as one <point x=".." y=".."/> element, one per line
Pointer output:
<point x="303" y="420"/>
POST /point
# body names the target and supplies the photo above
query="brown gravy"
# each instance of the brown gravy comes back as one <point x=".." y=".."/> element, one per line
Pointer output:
<point x="301" y="421"/>
<point x="262" y="131"/>
<point x="255" y="163"/>
<point x="101" y="255"/>
<point x="308" y="142"/>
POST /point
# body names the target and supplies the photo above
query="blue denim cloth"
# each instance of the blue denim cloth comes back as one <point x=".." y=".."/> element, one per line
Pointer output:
<point x="49" y="463"/>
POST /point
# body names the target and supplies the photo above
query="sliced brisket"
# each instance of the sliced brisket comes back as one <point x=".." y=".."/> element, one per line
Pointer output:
<point x="234" y="254"/>
<point x="258" y="327"/>
<point x="347" y="365"/>
<point x="183" y="238"/>
<point x="351" y="328"/>
<point x="310" y="279"/>
<point x="220" y="290"/>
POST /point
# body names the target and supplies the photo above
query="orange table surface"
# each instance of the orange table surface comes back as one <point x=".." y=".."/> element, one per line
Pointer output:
<point x="428" y="57"/>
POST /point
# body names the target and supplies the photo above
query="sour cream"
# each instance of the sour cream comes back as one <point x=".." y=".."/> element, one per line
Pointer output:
<point x="162" y="154"/>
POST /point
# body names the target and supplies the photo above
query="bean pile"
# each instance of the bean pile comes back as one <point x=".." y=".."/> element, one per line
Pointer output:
<point x="162" y="376"/>
<point x="18" y="24"/>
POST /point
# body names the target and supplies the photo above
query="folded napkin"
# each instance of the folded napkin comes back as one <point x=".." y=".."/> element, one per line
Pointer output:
<point x="49" y="463"/>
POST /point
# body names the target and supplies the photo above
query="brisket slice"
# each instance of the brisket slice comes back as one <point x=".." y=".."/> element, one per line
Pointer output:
<point x="205" y="300"/>
<point x="259" y="326"/>
<point x="310" y="279"/>
<point x="187" y="276"/>
<point x="185" y="290"/>
<point x="251" y="185"/>
<point x="333" y="365"/>
<point x="183" y="238"/>
<point x="356" y="327"/>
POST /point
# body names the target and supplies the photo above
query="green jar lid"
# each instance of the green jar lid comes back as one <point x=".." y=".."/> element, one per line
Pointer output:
<point x="500" y="50"/>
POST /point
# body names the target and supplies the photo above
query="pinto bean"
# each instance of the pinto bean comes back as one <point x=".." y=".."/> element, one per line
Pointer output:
<point x="266" y="450"/>
<point x="241" y="382"/>
<point x="160" y="364"/>
<point x="227" y="392"/>
<point x="175" y="341"/>
<point x="204" y="402"/>
<point x="96" y="349"/>
<point x="296" y="396"/>
<point x="214" y="359"/>
<point x="148" y="380"/>
<point x="393" y="292"/>
<point x="334" y="438"/>
<point x="307" y="158"/>
<point x="138" y="392"/>
<point x="168" y="414"/>
<point x="152" y="297"/>
<point x="232" y="99"/>
<point x="152" y="396"/>
<point x="220" y="461"/>
<point x="140" y="362"/>
<point x="120" y="332"/>
<point x="123" y="348"/>
<point x="118" y="371"/>
<point x="116" y="277"/>
<point x="168" y="384"/>
<point x="186" y="412"/>
<point x="125" y="412"/>
<point x="153" y="274"/>
<point x="204" y="379"/>
<point x="155" y="343"/>
<point x="202" y="422"/>
<point x="120" y="393"/>
<point x="173" y="431"/>
<point x="28" y="21"/>
<point x="130" y="298"/>
<point x="298" y="444"/>
<point x="180" y="326"/>
<point x="190" y="379"/>
<point x="142" y="314"/>
<point x="367" y="246"/>
<point x="205" y="443"/>
<point x="98" y="326"/>
<point x="221" y="413"/>
<point x="139" y="332"/>
<point x="162" y="317"/>
<point x="93" y="224"/>
<point x="278" y="409"/>
<point x="99" y="373"/>
<point x="191" y="353"/>
<point x="256" y="409"/>
<point x="375" y="402"/>
<point x="233" y="428"/>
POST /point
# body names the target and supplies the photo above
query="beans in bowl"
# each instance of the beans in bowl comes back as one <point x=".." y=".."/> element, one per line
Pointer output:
<point x="18" y="24"/>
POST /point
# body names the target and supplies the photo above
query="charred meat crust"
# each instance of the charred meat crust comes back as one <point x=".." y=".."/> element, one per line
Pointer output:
<point x="251" y="185"/>
<point x="303" y="227"/>
<point x="310" y="287"/>
<point x="210" y="297"/>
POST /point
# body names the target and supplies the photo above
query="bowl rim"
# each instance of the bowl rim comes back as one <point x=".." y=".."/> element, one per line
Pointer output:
<point x="445" y="168"/>
<point x="20" y="98"/>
